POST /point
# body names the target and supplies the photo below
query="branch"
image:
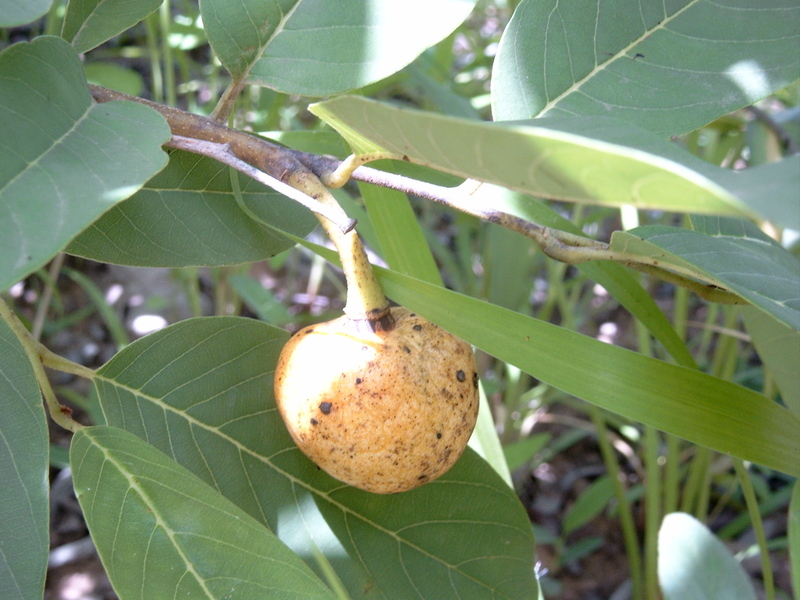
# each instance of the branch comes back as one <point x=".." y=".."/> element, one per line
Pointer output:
<point x="284" y="164"/>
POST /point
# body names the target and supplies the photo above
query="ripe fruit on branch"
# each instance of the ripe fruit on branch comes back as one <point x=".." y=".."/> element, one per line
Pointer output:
<point x="383" y="410"/>
<point x="379" y="398"/>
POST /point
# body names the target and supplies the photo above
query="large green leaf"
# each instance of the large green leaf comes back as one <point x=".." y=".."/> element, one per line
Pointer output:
<point x="732" y="252"/>
<point x="24" y="539"/>
<point x="188" y="215"/>
<point x="535" y="157"/>
<point x="201" y="391"/>
<point x="89" y="23"/>
<point x="65" y="160"/>
<point x="14" y="12"/>
<point x="324" y="47"/>
<point x="693" y="563"/>
<point x="682" y="401"/>
<point x="679" y="400"/>
<point x="670" y="67"/>
<point x="163" y="533"/>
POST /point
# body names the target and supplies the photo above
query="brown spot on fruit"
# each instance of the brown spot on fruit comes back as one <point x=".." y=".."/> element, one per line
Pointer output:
<point x="367" y="442"/>
<point x="313" y="421"/>
<point x="460" y="375"/>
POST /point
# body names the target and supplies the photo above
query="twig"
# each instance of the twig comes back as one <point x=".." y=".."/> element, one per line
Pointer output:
<point x="283" y="164"/>
<point x="61" y="414"/>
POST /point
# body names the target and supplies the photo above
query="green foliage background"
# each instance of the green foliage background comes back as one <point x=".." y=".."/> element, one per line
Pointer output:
<point x="188" y="480"/>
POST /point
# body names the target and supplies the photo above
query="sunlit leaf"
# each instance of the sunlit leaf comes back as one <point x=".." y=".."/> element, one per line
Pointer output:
<point x="24" y="470"/>
<point x="163" y="533"/>
<point x="670" y="67"/>
<point x="547" y="159"/>
<point x="201" y="391"/>
<point x="65" y="160"/>
<point x="678" y="400"/>
<point x="319" y="47"/>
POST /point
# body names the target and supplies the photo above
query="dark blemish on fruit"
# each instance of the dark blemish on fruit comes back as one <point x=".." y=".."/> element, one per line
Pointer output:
<point x="417" y="327"/>
<point x="325" y="407"/>
<point x="314" y="421"/>
<point x="358" y="380"/>
<point x="407" y="349"/>
<point x="413" y="315"/>
<point x="438" y="435"/>
<point x="475" y="379"/>
<point x="421" y="477"/>
<point x="460" y="375"/>
<point x="309" y="331"/>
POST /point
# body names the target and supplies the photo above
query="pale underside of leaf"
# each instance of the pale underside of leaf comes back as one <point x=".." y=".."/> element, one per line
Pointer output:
<point x="529" y="157"/>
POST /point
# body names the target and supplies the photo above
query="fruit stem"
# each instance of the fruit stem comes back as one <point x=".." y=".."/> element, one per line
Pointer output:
<point x="365" y="298"/>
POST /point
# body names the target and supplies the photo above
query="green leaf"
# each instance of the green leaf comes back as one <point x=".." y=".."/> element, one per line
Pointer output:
<point x="519" y="453"/>
<point x="201" y="391"/>
<point x="543" y="158"/>
<point x="24" y="468"/>
<point x="318" y="48"/>
<point x="163" y="533"/>
<point x="14" y="13"/>
<point x="111" y="75"/>
<point x="588" y="505"/>
<point x="668" y="67"/>
<point x="778" y="347"/>
<point x="260" y="300"/>
<point x="693" y="563"/>
<point x="734" y="253"/>
<point x="682" y="401"/>
<point x="402" y="241"/>
<point x="89" y="23"/>
<point x="187" y="215"/>
<point x="65" y="160"/>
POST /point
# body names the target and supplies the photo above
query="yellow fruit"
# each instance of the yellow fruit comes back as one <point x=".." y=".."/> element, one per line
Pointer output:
<point x="384" y="411"/>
